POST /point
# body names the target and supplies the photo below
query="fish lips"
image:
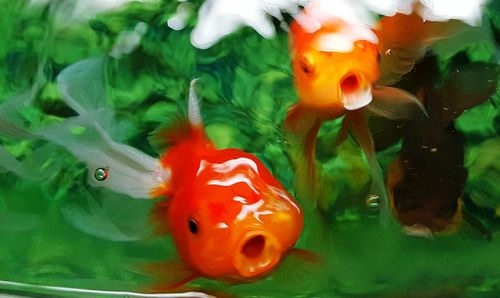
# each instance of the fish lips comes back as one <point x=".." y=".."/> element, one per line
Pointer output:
<point x="258" y="252"/>
<point x="355" y="92"/>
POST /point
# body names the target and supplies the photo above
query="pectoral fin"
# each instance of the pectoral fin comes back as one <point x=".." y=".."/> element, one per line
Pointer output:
<point x="395" y="104"/>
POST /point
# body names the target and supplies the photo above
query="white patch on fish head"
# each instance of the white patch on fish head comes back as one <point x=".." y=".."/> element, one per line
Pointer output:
<point x="343" y="40"/>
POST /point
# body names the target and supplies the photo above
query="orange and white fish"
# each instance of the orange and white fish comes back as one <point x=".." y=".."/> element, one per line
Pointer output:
<point x="339" y="64"/>
<point x="223" y="208"/>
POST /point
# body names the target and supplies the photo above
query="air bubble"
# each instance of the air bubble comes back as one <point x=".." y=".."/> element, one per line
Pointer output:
<point x="101" y="174"/>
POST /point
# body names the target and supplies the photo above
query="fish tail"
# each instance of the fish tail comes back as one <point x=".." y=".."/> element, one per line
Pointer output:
<point x="358" y="126"/>
<point x="10" y="127"/>
<point x="404" y="39"/>
<point x="465" y="87"/>
<point x="110" y="164"/>
<point x="302" y="127"/>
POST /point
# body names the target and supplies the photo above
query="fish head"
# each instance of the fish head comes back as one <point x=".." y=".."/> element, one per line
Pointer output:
<point x="335" y="66"/>
<point x="236" y="220"/>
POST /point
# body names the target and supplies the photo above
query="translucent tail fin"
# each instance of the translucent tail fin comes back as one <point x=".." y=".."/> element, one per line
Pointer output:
<point x="10" y="127"/>
<point x="113" y="165"/>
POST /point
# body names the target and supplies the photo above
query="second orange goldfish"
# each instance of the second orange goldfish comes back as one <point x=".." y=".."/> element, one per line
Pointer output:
<point x="339" y="64"/>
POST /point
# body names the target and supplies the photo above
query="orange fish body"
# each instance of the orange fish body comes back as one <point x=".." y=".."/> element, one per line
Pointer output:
<point x="335" y="66"/>
<point x="228" y="216"/>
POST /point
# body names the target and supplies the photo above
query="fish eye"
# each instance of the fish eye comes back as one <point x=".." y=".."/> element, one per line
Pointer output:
<point x="306" y="65"/>
<point x="193" y="225"/>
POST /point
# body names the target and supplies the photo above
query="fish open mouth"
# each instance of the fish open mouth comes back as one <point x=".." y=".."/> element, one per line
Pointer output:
<point x="257" y="253"/>
<point x="355" y="92"/>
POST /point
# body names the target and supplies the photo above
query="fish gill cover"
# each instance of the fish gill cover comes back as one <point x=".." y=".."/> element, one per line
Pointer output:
<point x="58" y="230"/>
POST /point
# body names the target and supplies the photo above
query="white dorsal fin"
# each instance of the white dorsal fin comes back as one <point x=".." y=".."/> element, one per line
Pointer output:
<point x="194" y="106"/>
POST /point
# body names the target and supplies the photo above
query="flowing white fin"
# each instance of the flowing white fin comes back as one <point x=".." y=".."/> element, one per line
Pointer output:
<point x="82" y="85"/>
<point x="9" y="111"/>
<point x="9" y="127"/>
<point x="126" y="170"/>
<point x="113" y="165"/>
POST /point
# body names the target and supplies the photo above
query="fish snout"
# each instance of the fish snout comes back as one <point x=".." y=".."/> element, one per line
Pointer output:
<point x="356" y="91"/>
<point x="257" y="253"/>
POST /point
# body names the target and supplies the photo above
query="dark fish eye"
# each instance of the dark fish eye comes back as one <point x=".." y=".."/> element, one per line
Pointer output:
<point x="193" y="226"/>
<point x="306" y="65"/>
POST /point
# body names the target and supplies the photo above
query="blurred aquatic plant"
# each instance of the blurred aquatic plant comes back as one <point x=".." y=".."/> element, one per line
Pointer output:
<point x="68" y="12"/>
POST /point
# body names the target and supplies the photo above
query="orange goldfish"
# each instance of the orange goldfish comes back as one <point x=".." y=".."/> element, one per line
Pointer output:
<point x="225" y="210"/>
<point x="228" y="216"/>
<point x="339" y="64"/>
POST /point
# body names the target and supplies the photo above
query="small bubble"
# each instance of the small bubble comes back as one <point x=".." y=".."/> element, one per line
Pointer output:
<point x="373" y="202"/>
<point x="433" y="150"/>
<point x="101" y="174"/>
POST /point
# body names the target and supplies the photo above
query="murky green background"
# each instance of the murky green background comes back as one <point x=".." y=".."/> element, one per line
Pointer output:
<point x="47" y="233"/>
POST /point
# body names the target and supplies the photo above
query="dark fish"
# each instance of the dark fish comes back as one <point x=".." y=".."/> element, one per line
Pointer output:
<point x="426" y="181"/>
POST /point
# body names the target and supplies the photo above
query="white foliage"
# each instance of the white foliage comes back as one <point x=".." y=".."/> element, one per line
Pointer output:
<point x="467" y="11"/>
<point x="218" y="18"/>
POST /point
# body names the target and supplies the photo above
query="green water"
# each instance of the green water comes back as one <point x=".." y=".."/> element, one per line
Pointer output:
<point x="246" y="87"/>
